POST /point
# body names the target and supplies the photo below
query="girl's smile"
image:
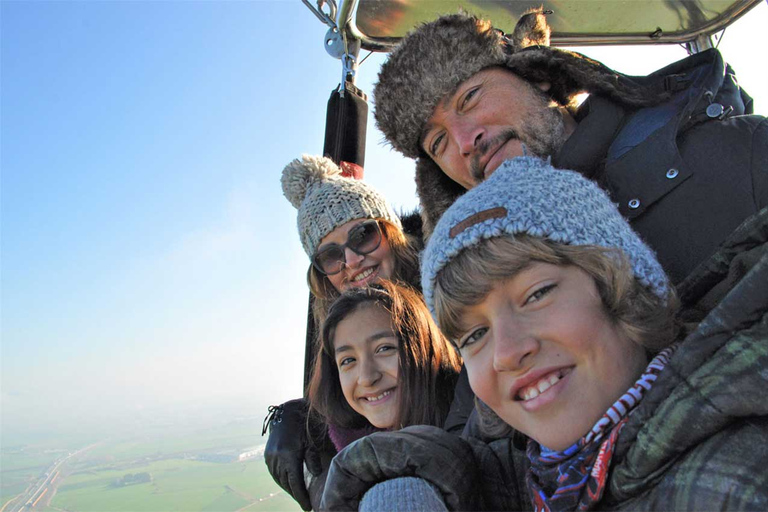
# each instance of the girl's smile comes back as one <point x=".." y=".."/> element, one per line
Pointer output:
<point x="367" y="357"/>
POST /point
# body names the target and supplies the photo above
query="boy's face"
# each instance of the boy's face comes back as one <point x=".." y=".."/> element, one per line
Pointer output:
<point x="543" y="354"/>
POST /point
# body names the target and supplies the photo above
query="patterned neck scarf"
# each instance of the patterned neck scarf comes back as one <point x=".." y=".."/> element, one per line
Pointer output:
<point x="575" y="478"/>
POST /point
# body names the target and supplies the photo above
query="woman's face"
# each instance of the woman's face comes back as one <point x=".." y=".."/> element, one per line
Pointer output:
<point x="542" y="353"/>
<point x="366" y="354"/>
<point x="360" y="270"/>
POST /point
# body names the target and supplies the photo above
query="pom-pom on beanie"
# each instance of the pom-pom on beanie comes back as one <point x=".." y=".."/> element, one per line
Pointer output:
<point x="527" y="195"/>
<point x="326" y="200"/>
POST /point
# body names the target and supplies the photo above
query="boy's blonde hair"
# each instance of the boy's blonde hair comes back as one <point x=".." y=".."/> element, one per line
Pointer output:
<point x="638" y="312"/>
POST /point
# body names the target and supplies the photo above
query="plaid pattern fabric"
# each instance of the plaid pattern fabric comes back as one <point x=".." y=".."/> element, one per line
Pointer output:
<point x="699" y="439"/>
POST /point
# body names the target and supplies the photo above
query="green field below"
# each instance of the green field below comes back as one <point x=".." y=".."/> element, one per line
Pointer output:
<point x="9" y="491"/>
<point x="177" y="485"/>
<point x="193" y="467"/>
<point x="14" y="482"/>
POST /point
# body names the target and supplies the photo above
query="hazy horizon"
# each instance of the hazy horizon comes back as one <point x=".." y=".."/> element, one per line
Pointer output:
<point x="93" y="427"/>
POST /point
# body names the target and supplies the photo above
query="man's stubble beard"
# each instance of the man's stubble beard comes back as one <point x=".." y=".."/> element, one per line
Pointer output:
<point x="543" y="134"/>
<point x="547" y="133"/>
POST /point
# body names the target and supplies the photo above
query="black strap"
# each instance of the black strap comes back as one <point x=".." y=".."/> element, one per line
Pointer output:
<point x="345" y="131"/>
<point x="274" y="415"/>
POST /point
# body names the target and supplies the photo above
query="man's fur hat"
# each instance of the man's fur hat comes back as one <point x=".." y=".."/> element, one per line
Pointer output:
<point x="434" y="59"/>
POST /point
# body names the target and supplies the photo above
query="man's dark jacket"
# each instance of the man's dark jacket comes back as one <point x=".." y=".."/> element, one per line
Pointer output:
<point x="697" y="441"/>
<point x="684" y="179"/>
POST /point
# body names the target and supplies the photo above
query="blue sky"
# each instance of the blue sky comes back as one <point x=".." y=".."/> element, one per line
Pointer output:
<point x="149" y="259"/>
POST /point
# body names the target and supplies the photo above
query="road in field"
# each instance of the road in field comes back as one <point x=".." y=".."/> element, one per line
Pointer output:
<point x="43" y="488"/>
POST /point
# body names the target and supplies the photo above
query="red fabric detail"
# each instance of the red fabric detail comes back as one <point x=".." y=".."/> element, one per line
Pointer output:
<point x="350" y="170"/>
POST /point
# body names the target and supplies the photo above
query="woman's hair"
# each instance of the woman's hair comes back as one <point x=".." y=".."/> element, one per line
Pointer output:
<point x="428" y="364"/>
<point x="406" y="269"/>
<point x="638" y="313"/>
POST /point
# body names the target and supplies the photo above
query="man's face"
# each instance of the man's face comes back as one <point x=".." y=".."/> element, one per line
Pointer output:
<point x="487" y="121"/>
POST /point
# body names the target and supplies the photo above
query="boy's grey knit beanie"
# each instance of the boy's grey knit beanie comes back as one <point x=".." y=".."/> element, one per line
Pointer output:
<point x="326" y="200"/>
<point x="527" y="195"/>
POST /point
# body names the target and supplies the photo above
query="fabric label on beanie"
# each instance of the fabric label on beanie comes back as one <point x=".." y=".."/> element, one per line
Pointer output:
<point x="494" y="213"/>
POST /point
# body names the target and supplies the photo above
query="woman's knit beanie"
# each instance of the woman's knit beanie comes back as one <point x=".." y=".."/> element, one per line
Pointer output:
<point x="326" y="200"/>
<point x="527" y="195"/>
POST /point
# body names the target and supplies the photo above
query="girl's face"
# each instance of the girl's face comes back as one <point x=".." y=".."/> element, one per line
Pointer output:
<point x="542" y="353"/>
<point x="366" y="354"/>
<point x="360" y="270"/>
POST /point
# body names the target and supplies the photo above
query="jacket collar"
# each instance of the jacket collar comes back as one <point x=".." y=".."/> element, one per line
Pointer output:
<point x="599" y="121"/>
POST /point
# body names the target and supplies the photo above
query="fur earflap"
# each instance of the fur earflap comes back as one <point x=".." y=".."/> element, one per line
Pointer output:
<point x="570" y="73"/>
<point x="412" y="225"/>
<point x="531" y="29"/>
<point x="436" y="192"/>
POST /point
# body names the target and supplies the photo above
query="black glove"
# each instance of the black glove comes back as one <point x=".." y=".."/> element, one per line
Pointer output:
<point x="288" y="450"/>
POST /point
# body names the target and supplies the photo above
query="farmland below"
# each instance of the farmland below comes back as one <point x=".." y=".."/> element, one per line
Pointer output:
<point x="218" y="467"/>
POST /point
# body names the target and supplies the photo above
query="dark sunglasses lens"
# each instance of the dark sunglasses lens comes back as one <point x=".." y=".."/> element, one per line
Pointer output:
<point x="364" y="238"/>
<point x="330" y="259"/>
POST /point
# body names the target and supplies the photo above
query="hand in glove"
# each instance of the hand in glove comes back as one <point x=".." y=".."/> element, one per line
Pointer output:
<point x="442" y="459"/>
<point x="288" y="449"/>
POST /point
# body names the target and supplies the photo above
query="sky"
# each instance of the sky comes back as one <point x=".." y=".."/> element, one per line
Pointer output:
<point x="148" y="260"/>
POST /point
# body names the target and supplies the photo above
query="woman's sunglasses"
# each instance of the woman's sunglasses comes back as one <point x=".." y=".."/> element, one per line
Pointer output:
<point x="362" y="239"/>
